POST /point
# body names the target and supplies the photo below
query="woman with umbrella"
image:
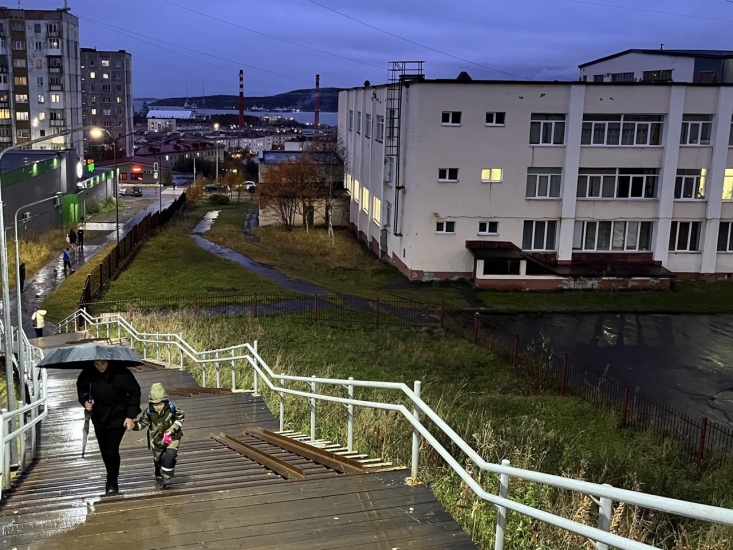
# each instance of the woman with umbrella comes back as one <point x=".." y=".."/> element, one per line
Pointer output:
<point x="109" y="394"/>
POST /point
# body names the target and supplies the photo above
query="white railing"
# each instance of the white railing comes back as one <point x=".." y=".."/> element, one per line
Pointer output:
<point x="604" y="495"/>
<point x="18" y="439"/>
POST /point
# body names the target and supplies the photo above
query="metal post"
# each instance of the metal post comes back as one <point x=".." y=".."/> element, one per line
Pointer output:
<point x="203" y="375"/>
<point x="476" y="322"/>
<point x="415" y="433"/>
<point x="350" y="429"/>
<point x="21" y="422"/>
<point x="313" y="411"/>
<point x="256" y="377"/>
<point x="282" y="403"/>
<point x="4" y="451"/>
<point x="501" y="510"/>
<point x="625" y="408"/>
<point x="218" y="371"/>
<point x="234" y="372"/>
<point x="605" y="508"/>
<point x="701" y="448"/>
<point x="117" y="197"/>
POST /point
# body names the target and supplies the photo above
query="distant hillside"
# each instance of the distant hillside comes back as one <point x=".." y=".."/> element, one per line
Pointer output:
<point x="297" y="99"/>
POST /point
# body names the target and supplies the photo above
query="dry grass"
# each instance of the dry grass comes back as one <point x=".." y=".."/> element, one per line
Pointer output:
<point x="496" y="413"/>
<point x="37" y="251"/>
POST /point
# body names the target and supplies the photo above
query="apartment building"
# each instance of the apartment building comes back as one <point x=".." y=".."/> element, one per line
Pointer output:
<point x="39" y="78"/>
<point x="543" y="185"/>
<point x="645" y="65"/>
<point x="106" y="92"/>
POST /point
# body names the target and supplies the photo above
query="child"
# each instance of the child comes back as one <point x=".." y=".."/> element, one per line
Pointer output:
<point x="67" y="259"/>
<point x="163" y="420"/>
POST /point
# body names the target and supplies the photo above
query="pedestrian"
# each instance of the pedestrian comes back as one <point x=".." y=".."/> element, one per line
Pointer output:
<point x="72" y="238"/>
<point x="39" y="321"/>
<point x="164" y="422"/>
<point x="21" y="271"/>
<point x="80" y="235"/>
<point x="112" y="396"/>
<point x="67" y="259"/>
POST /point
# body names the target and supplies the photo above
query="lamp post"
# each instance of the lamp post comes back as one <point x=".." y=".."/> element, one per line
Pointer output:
<point x="7" y="328"/>
<point x="216" y="141"/>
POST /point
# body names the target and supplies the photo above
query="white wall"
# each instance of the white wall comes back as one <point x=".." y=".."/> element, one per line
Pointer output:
<point x="682" y="67"/>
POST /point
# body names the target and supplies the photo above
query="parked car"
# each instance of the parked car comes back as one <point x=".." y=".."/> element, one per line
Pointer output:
<point x="250" y="186"/>
<point x="216" y="188"/>
<point x="137" y="191"/>
<point x="122" y="191"/>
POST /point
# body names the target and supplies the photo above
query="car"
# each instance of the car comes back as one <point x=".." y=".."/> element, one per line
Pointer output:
<point x="250" y="186"/>
<point x="122" y="191"/>
<point x="216" y="188"/>
<point x="137" y="191"/>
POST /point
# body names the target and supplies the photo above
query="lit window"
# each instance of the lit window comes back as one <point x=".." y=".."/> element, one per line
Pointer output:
<point x="92" y="75"/>
<point x="55" y="98"/>
<point x="21" y="98"/>
<point x="41" y="98"/>
<point x="728" y="185"/>
<point x="365" y="199"/>
<point x="41" y="116"/>
<point x="21" y="115"/>
<point x="105" y="76"/>
<point x="105" y="62"/>
<point x="94" y="111"/>
<point x="491" y="175"/>
<point x="376" y="210"/>
<point x="39" y="63"/>
<point x="20" y="80"/>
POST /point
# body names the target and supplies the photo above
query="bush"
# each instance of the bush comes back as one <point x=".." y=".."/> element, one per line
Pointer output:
<point x="218" y="200"/>
<point x="195" y="191"/>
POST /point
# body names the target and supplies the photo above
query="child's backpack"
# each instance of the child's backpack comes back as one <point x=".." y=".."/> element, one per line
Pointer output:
<point x="173" y="415"/>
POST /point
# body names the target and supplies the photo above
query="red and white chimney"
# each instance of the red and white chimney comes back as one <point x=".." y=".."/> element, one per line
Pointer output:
<point x="316" y="123"/>
<point x="241" y="98"/>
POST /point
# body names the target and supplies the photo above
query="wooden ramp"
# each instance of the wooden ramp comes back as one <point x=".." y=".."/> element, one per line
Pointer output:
<point x="219" y="498"/>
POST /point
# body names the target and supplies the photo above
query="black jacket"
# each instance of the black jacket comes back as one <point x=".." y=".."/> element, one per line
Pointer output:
<point x="116" y="395"/>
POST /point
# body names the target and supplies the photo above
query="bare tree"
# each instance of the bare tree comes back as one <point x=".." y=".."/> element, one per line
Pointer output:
<point x="287" y="185"/>
<point x="328" y="160"/>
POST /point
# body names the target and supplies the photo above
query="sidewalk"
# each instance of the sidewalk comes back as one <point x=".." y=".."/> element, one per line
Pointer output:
<point x="50" y="276"/>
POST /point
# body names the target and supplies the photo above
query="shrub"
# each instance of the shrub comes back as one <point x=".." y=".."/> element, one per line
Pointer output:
<point x="218" y="200"/>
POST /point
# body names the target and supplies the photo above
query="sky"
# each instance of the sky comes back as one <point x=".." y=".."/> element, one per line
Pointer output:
<point x="282" y="44"/>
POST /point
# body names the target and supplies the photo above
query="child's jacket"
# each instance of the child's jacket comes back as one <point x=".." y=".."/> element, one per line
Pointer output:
<point x="159" y="422"/>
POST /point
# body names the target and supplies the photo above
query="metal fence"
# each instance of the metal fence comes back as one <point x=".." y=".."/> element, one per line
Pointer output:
<point x="333" y="309"/>
<point x="113" y="263"/>
<point x="706" y="440"/>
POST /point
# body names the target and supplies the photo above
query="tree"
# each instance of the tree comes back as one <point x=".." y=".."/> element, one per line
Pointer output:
<point x="286" y="187"/>
<point x="234" y="180"/>
<point x="328" y="160"/>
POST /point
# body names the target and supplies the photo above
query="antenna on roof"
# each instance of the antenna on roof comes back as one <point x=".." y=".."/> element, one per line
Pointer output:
<point x="661" y="46"/>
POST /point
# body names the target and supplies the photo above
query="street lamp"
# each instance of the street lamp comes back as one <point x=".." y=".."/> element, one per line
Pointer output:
<point x="98" y="133"/>
<point x="216" y="141"/>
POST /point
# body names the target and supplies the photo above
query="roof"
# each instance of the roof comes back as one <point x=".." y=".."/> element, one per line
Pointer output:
<point x="276" y="157"/>
<point x="145" y="161"/>
<point x="12" y="160"/>
<point x="710" y="54"/>
<point x="172" y="113"/>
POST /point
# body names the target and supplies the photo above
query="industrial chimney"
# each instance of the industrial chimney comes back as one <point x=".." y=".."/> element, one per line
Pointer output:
<point x="241" y="98"/>
<point x="318" y="102"/>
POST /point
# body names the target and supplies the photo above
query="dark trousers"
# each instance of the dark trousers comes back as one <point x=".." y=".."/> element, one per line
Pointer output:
<point x="165" y="467"/>
<point x="67" y="263"/>
<point x="39" y="332"/>
<point x="109" y="440"/>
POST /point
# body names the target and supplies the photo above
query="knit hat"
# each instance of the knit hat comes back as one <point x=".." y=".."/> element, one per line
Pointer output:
<point x="158" y="393"/>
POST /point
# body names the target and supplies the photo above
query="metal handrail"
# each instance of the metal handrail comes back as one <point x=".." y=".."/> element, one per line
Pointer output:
<point x="276" y="383"/>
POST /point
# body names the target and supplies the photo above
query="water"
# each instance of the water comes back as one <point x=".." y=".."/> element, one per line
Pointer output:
<point x="683" y="360"/>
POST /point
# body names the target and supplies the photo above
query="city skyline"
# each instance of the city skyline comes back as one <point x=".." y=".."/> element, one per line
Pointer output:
<point x="180" y="45"/>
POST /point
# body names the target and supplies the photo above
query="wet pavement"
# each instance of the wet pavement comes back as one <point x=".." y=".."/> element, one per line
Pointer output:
<point x="250" y="265"/>
<point x="685" y="361"/>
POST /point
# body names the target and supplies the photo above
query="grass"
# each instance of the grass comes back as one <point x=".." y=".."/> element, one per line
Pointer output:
<point x="498" y="413"/>
<point x="102" y="208"/>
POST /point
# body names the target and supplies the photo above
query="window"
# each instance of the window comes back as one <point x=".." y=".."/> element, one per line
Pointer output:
<point x="119" y="99"/>
<point x="623" y="130"/>
<point x="105" y="88"/>
<point x="491" y="175"/>
<point x="379" y="136"/>
<point x="387" y="213"/>
<point x="365" y="199"/>
<point x="20" y="80"/>
<point x="93" y="99"/>
<point x="622" y="77"/>
<point x="94" y="111"/>
<point x="107" y="112"/>
<point x="105" y="99"/>
<point x="725" y="237"/>
<point x="108" y="124"/>
<point x="377" y="211"/>
<point x="105" y="76"/>
<point x="55" y="98"/>
<point x="18" y="45"/>
<point x="3" y="79"/>
<point x="502" y="267"/>
<point x="543" y="183"/>
<point x="445" y="227"/>
<point x="367" y="125"/>
<point x="119" y="87"/>
<point x="598" y="78"/>
<point x="19" y="63"/>
<point x="728" y="185"/>
<point x="658" y="76"/>
<point x="118" y="63"/>
<point x="40" y="81"/>
<point x="447" y="174"/>
<point x="495" y="119"/>
<point x="358" y="122"/>
<point x="614" y="236"/>
<point x="539" y="235"/>
<point x="41" y="98"/>
<point x="357" y="191"/>
<point x="23" y="133"/>
<point x="39" y="45"/>
<point x="39" y="63"/>
<point x="690" y="184"/>
<point x="622" y="183"/>
<point x="547" y="129"/>
<point x="488" y="228"/>
<point x="105" y="62"/>
<point x="21" y="98"/>
<point x="451" y="118"/>
<point x="21" y="115"/>
<point x="684" y="237"/>
<point x="17" y="26"/>
<point x="41" y="116"/>
<point x="351" y="119"/>
<point x="54" y="44"/>
<point x="119" y="110"/>
<point x="123" y="175"/>
<point x="37" y="27"/>
<point x="4" y="114"/>
<point x="696" y="129"/>
<point x="92" y="75"/>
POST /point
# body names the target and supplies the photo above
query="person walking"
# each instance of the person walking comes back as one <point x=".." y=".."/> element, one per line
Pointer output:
<point x="39" y="321"/>
<point x="163" y="420"/>
<point x="112" y="396"/>
<point x="72" y="237"/>
<point x="80" y="235"/>
<point x="67" y="259"/>
<point x="21" y="271"/>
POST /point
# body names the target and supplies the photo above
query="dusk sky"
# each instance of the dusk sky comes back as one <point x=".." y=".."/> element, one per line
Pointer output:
<point x="282" y="44"/>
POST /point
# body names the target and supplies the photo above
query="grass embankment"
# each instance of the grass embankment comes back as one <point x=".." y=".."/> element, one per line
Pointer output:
<point x="499" y="414"/>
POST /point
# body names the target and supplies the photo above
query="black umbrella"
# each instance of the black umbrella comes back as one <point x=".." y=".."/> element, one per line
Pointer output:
<point x="81" y="356"/>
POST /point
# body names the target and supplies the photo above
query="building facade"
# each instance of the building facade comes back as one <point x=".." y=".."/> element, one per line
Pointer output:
<point x="543" y="185"/>
<point x="39" y="78"/>
<point x="106" y="88"/>
<point x="636" y="65"/>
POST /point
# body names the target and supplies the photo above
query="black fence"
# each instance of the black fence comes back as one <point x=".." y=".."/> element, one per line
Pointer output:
<point x="706" y="440"/>
<point x="333" y="309"/>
